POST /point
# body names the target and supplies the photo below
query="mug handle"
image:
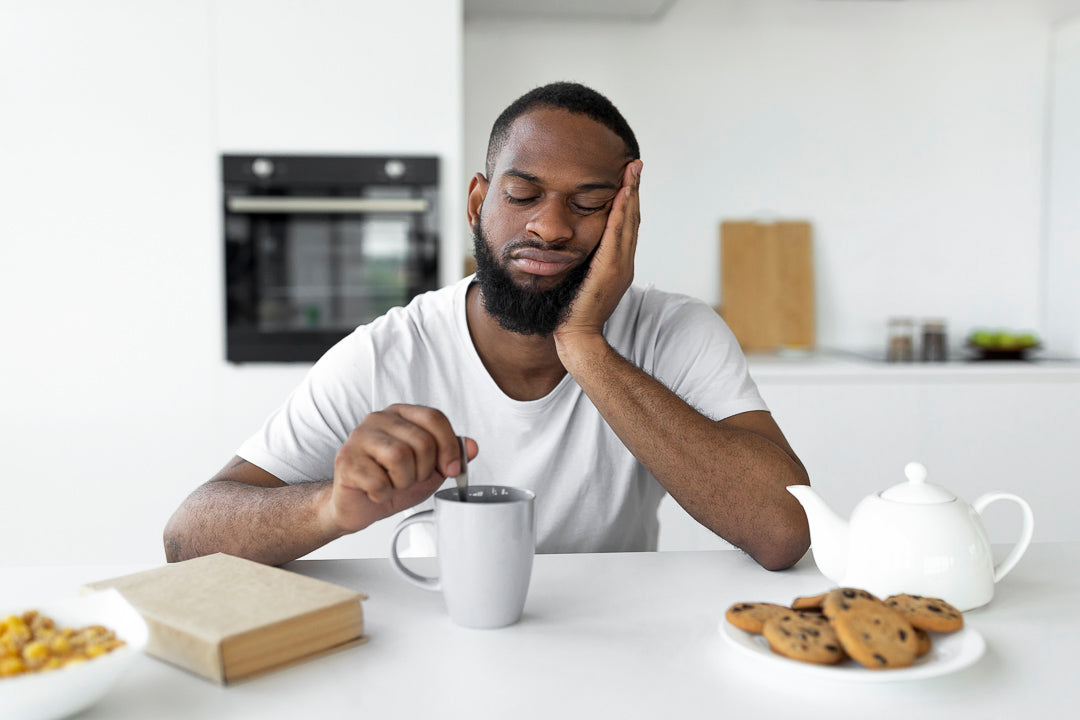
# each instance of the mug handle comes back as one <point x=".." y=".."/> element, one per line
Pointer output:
<point x="1021" y="545"/>
<point x="428" y="583"/>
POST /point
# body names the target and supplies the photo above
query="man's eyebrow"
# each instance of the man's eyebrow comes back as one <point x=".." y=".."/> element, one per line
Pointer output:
<point x="514" y="172"/>
<point x="584" y="187"/>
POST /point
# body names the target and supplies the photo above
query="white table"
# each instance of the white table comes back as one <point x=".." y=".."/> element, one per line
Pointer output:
<point x="619" y="635"/>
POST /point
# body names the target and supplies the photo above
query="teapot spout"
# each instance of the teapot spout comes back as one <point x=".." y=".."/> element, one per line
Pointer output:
<point x="829" y="536"/>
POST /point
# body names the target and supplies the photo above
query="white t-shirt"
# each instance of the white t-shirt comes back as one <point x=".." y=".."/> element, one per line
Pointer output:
<point x="592" y="494"/>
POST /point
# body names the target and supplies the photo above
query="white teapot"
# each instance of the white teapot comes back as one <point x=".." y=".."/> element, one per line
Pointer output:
<point x="916" y="538"/>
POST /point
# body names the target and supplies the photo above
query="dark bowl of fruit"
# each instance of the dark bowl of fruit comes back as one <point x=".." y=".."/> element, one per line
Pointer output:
<point x="1002" y="344"/>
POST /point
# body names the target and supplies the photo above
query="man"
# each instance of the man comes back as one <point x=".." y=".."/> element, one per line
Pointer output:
<point x="566" y="380"/>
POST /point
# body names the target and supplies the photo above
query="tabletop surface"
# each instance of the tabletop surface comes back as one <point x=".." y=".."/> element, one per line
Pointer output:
<point x="632" y="635"/>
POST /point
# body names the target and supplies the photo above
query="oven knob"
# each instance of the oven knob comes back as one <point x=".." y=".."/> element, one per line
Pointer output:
<point x="262" y="167"/>
<point x="394" y="169"/>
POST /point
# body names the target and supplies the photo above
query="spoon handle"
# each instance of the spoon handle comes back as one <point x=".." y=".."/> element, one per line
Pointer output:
<point x="463" y="476"/>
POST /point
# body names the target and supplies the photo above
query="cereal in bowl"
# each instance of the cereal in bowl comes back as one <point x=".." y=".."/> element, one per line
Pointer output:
<point x="32" y="642"/>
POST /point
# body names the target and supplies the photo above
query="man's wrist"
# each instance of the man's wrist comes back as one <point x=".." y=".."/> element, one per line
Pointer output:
<point x="330" y="527"/>
<point x="579" y="349"/>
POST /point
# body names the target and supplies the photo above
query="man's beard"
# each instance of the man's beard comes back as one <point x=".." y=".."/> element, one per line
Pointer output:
<point x="518" y="309"/>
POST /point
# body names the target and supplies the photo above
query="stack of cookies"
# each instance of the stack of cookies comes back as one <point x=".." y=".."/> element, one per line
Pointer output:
<point x="848" y="622"/>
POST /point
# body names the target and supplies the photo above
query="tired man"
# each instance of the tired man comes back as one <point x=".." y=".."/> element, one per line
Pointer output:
<point x="567" y="380"/>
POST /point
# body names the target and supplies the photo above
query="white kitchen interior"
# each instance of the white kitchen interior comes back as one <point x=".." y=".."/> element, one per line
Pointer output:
<point x="933" y="144"/>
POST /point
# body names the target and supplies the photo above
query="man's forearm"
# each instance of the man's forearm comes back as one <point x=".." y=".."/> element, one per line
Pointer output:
<point x="271" y="525"/>
<point x="729" y="479"/>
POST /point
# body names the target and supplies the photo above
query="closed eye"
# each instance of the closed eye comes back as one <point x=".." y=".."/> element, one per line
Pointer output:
<point x="588" y="209"/>
<point x="581" y="208"/>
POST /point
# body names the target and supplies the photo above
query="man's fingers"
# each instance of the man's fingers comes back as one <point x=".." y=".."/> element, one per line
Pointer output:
<point x="634" y="199"/>
<point x="471" y="451"/>
<point x="361" y="472"/>
<point x="624" y="218"/>
<point x="396" y="454"/>
<point x="419" y="439"/>
<point x="447" y="451"/>
<point x="616" y="220"/>
<point x="417" y="493"/>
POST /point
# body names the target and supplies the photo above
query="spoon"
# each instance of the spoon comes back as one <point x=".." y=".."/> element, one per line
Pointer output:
<point x="463" y="476"/>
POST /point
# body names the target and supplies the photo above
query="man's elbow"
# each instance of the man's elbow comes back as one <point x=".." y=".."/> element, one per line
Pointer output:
<point x="173" y="548"/>
<point x="172" y="537"/>
<point x="780" y="559"/>
<point x="785" y="547"/>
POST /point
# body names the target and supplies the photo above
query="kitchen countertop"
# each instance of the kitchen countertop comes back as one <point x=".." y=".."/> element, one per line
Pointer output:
<point x="840" y="365"/>
<point x="629" y="635"/>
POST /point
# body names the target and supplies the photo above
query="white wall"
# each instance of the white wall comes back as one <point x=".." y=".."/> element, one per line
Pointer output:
<point x="1062" y="298"/>
<point x="116" y="400"/>
<point x="909" y="133"/>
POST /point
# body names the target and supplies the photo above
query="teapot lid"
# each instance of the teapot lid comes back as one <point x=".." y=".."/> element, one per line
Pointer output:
<point x="916" y="490"/>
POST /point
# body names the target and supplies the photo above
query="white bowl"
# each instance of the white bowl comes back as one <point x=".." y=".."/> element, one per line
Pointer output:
<point x="63" y="692"/>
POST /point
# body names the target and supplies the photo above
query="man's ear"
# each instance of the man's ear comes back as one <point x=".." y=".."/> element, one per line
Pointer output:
<point x="478" y="188"/>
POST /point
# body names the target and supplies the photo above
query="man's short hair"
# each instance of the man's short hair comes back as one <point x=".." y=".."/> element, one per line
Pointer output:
<point x="573" y="97"/>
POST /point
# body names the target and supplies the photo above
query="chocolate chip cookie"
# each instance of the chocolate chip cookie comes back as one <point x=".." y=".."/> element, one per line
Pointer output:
<point x="806" y="637"/>
<point x="751" y="616"/>
<point x="875" y="635"/>
<point x="927" y="613"/>
<point x="844" y="598"/>
<point x="809" y="603"/>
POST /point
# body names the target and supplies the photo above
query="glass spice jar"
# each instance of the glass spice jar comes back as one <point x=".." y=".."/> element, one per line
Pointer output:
<point x="901" y="345"/>
<point x="934" y="345"/>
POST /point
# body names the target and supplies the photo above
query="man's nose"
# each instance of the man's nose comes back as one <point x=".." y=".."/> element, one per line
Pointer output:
<point x="551" y="221"/>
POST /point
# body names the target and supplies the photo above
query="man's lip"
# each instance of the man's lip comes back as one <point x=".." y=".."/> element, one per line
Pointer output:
<point x="542" y="262"/>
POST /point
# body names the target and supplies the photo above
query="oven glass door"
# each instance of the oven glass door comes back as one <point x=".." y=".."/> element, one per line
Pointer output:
<point x="304" y="271"/>
<point x="322" y="273"/>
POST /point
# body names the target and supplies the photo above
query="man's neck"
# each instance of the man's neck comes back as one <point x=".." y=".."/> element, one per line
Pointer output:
<point x="525" y="367"/>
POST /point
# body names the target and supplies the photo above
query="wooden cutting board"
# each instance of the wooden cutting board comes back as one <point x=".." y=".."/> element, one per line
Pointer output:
<point x="767" y="284"/>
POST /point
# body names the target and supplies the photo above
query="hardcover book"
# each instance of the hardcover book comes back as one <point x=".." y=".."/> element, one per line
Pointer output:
<point x="227" y="619"/>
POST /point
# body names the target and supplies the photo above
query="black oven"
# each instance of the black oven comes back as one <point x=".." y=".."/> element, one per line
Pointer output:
<point x="316" y="245"/>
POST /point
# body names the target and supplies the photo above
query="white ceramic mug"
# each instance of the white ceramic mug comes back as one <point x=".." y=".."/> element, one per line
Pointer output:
<point x="485" y="547"/>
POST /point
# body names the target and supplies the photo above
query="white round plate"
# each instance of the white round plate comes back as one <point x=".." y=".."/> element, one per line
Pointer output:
<point x="948" y="653"/>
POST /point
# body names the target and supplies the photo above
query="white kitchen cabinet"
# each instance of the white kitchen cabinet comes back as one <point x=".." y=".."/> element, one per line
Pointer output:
<point x="976" y="426"/>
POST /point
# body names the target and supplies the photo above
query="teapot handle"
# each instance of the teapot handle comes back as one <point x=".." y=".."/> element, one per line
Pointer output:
<point x="1002" y="569"/>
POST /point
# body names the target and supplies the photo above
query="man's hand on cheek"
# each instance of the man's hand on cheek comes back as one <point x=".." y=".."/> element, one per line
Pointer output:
<point x="612" y="268"/>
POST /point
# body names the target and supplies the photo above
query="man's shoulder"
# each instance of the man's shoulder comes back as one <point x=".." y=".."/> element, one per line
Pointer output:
<point x="433" y="309"/>
<point x="649" y="319"/>
<point x="644" y="302"/>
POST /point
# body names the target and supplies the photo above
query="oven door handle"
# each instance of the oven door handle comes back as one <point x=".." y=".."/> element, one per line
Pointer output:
<point x="293" y="204"/>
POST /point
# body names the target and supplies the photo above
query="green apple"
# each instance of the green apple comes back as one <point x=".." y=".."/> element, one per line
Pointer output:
<point x="1005" y="341"/>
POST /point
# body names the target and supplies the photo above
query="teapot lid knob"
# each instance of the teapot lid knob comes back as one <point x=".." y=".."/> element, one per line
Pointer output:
<point x="915" y="472"/>
<point x="916" y="490"/>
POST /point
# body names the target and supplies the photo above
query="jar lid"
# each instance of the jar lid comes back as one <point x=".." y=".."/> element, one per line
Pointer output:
<point x="916" y="491"/>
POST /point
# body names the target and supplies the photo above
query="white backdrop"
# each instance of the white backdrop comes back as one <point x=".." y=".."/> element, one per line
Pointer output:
<point x="912" y="134"/>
